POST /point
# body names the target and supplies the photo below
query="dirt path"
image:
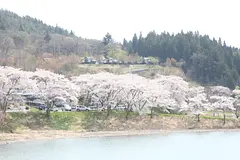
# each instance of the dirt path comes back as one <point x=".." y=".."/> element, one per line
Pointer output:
<point x="6" y="138"/>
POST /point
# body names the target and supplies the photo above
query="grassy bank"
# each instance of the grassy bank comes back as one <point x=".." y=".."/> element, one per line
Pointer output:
<point x="98" y="121"/>
<point x="143" y="70"/>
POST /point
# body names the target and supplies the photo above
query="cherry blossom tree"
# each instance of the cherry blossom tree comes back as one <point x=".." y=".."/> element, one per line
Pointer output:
<point x="136" y="93"/>
<point x="223" y="104"/>
<point x="47" y="94"/>
<point x="152" y="104"/>
<point x="197" y="102"/>
<point x="106" y="96"/>
<point x="156" y="101"/>
<point x="84" y="92"/>
<point x="8" y="93"/>
<point x="52" y="91"/>
<point x="236" y="104"/>
<point x="130" y="99"/>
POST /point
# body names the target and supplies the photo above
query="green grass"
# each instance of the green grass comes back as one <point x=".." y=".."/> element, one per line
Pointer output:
<point x="32" y="109"/>
<point x="219" y="118"/>
<point x="91" y="121"/>
<point x="118" y="69"/>
<point x="31" y="120"/>
<point x="171" y="115"/>
<point x="36" y="120"/>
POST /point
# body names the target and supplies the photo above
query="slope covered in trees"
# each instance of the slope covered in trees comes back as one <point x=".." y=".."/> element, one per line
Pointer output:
<point x="11" y="21"/>
<point x="205" y="60"/>
<point x="28" y="43"/>
<point x="25" y="42"/>
<point x="31" y="38"/>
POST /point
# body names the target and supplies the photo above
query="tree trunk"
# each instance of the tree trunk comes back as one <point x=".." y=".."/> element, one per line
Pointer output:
<point x="127" y="114"/>
<point x="224" y="118"/>
<point x="198" y="117"/>
<point x="48" y="113"/>
<point x="49" y="106"/>
<point x="128" y="109"/>
<point x="151" y="114"/>
<point x="2" y="117"/>
<point x="108" y="111"/>
<point x="237" y="113"/>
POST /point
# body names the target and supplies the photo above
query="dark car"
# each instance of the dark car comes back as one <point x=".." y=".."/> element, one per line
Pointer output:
<point x="41" y="107"/>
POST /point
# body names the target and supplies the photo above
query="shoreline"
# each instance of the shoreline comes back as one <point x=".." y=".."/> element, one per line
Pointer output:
<point x="8" y="138"/>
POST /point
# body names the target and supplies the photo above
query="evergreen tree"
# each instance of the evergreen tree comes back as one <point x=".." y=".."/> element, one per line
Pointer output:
<point x="107" y="39"/>
<point x="205" y="60"/>
<point x="2" y="23"/>
<point x="220" y="41"/>
<point x="140" y="45"/>
<point x="134" y="43"/>
<point x="21" y="28"/>
<point x="47" y="37"/>
<point x="125" y="44"/>
<point x="72" y="33"/>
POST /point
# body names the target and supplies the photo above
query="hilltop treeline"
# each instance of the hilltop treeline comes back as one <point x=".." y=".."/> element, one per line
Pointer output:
<point x="205" y="60"/>
<point x="12" y="21"/>
<point x="25" y="32"/>
<point x="26" y="41"/>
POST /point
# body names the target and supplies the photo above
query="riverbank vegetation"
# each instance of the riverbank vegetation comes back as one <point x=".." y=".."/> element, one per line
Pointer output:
<point x="99" y="121"/>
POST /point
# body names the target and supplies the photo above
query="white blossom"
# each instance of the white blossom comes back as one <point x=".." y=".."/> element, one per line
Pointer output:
<point x="106" y="89"/>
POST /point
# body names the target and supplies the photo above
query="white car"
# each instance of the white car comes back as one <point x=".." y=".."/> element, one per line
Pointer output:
<point x="83" y="108"/>
<point x="55" y="109"/>
<point x="67" y="107"/>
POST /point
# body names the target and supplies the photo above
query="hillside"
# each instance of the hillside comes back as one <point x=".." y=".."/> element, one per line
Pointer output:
<point x="28" y="43"/>
<point x="27" y="31"/>
<point x="11" y="21"/>
<point x="208" y="61"/>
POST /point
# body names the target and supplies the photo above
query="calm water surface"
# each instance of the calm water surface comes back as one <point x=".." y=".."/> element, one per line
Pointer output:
<point x="180" y="146"/>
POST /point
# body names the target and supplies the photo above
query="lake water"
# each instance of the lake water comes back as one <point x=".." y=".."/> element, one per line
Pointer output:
<point x="175" y="146"/>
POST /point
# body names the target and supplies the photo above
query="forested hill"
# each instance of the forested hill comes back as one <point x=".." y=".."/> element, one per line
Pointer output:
<point x="24" y="41"/>
<point x="11" y="21"/>
<point x="205" y="60"/>
<point x="32" y="36"/>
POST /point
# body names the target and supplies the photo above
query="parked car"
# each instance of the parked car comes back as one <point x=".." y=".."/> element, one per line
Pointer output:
<point x="74" y="108"/>
<point x="83" y="108"/>
<point x="93" y="108"/>
<point x="56" y="109"/>
<point x="120" y="108"/>
<point x="120" y="62"/>
<point x="42" y="107"/>
<point x="102" y="108"/>
<point x="66" y="107"/>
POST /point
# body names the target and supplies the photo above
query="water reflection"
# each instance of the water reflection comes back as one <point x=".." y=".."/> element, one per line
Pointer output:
<point x="177" y="146"/>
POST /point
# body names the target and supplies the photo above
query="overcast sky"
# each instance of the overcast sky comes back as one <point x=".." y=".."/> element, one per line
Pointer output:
<point x="122" y="18"/>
